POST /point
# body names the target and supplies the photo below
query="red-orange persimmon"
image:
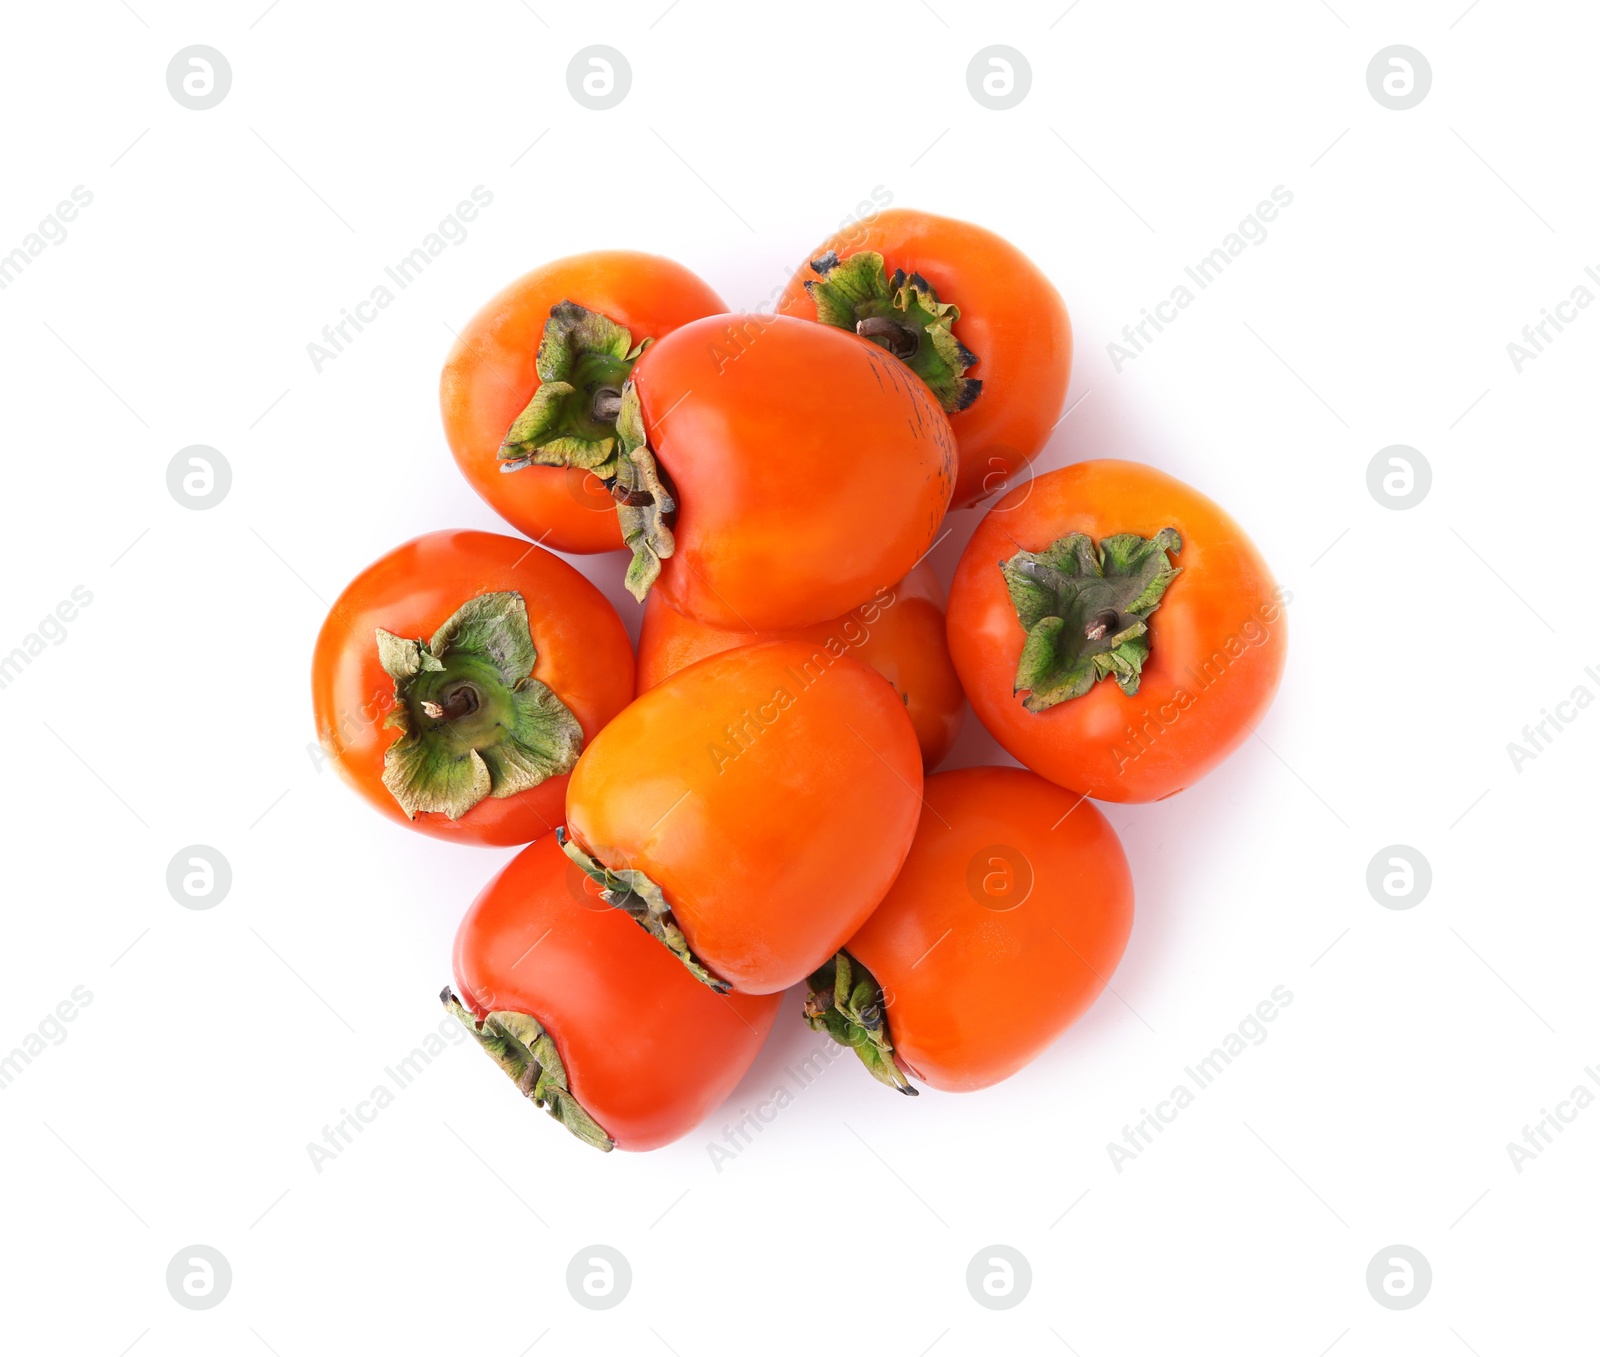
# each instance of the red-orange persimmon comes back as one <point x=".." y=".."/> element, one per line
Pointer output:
<point x="1115" y="630"/>
<point x="592" y="1020"/>
<point x="457" y="679"/>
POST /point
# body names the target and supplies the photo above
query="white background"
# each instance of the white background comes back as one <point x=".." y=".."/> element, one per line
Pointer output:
<point x="1378" y="310"/>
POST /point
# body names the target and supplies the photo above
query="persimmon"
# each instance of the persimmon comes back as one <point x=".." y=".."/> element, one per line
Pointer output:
<point x="774" y="473"/>
<point x="751" y="810"/>
<point x="965" y="310"/>
<point x="1115" y="630"/>
<point x="592" y="1020"/>
<point x="1011" y="912"/>
<point x="899" y="632"/>
<point x="529" y="391"/>
<point x="457" y="679"/>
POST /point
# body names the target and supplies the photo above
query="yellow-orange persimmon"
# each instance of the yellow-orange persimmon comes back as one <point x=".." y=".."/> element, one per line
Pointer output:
<point x="751" y="810"/>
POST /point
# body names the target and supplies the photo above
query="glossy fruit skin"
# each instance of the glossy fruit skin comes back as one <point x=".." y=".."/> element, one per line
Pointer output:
<point x="899" y="632"/>
<point x="1012" y="317"/>
<point x="583" y="655"/>
<point x="974" y="991"/>
<point x="649" y="1051"/>
<point x="489" y="377"/>
<point x="1218" y="640"/>
<point x="772" y="862"/>
<point x="811" y="469"/>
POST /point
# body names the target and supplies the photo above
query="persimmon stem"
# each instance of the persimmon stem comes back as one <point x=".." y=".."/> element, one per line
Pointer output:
<point x="847" y="1003"/>
<point x="901" y="340"/>
<point x="462" y="701"/>
<point x="633" y="498"/>
<point x="903" y="314"/>
<point x="607" y="401"/>
<point x="1102" y="622"/>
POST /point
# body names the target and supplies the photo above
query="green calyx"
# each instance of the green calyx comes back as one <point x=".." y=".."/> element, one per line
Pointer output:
<point x="643" y="500"/>
<point x="519" y="1045"/>
<point x="473" y="721"/>
<point x="642" y="901"/>
<point x="586" y="414"/>
<point x="1085" y="611"/>
<point x="847" y="1003"/>
<point x="902" y="314"/>
<point x="583" y="362"/>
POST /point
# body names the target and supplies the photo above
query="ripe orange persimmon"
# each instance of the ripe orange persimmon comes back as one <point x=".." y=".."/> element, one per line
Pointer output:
<point x="776" y="473"/>
<point x="1115" y="630"/>
<point x="1010" y="914"/>
<point x="457" y="678"/>
<point x="751" y="810"/>
<point x="593" y="1021"/>
<point x="968" y="312"/>
<point x="545" y="358"/>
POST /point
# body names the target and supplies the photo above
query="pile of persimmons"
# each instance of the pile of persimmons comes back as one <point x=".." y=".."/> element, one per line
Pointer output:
<point x="749" y="802"/>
